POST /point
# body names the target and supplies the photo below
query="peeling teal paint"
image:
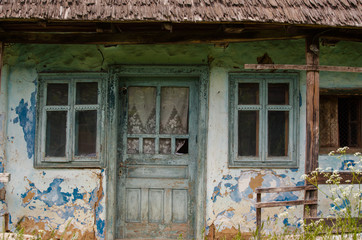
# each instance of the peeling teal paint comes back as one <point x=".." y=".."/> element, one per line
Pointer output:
<point x="26" y="119"/>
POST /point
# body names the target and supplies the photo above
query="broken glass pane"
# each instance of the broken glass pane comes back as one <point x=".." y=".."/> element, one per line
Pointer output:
<point x="141" y="110"/>
<point x="278" y="126"/>
<point x="165" y="146"/>
<point x="57" y="94"/>
<point x="174" y="110"/>
<point x="248" y="133"/>
<point x="56" y="128"/>
<point x="87" y="93"/>
<point x="182" y="146"/>
<point x="85" y="133"/>
<point x="278" y="93"/>
<point x="149" y="145"/>
<point x="133" y="145"/>
<point x="248" y="93"/>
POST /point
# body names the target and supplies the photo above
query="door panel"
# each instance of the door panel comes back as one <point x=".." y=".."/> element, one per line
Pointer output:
<point x="156" y="166"/>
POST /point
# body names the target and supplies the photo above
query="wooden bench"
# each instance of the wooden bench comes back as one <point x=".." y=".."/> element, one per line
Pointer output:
<point x="259" y="204"/>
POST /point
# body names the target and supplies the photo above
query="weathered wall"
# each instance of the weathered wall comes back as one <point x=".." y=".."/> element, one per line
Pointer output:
<point x="53" y="198"/>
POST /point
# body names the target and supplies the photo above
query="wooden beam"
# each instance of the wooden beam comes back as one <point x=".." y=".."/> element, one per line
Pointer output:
<point x="312" y="119"/>
<point x="284" y="189"/>
<point x="148" y="37"/>
<point x="303" y="67"/>
<point x="285" y="203"/>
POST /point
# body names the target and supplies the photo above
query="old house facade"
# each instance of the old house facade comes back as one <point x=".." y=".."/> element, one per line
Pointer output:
<point x="146" y="119"/>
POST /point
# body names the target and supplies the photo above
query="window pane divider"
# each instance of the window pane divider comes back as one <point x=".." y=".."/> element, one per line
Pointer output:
<point x="86" y="107"/>
<point x="140" y="145"/>
<point x="279" y="107"/>
<point x="56" y="108"/>
<point x="158" y="113"/>
<point x="173" y="145"/>
<point x="249" y="107"/>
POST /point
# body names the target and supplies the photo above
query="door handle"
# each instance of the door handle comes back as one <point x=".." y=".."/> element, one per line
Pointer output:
<point x="121" y="167"/>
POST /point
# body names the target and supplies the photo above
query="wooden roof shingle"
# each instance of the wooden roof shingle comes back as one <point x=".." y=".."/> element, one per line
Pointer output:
<point x="310" y="12"/>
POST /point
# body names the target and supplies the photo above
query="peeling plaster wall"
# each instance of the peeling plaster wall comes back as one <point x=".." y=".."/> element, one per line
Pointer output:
<point x="54" y="198"/>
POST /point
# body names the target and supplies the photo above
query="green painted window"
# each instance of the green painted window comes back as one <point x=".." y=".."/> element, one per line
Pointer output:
<point x="263" y="120"/>
<point x="69" y="121"/>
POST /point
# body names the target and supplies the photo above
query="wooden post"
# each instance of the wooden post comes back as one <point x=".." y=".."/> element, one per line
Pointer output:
<point x="312" y="119"/>
<point x="258" y="215"/>
<point x="1" y="59"/>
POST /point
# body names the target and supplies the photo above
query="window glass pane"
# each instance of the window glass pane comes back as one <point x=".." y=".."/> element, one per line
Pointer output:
<point x="141" y="110"/>
<point x="278" y="93"/>
<point x="174" y="110"/>
<point x="278" y="126"/>
<point x="248" y="133"/>
<point x="182" y="146"/>
<point x="349" y="121"/>
<point x="56" y="134"/>
<point x="57" y="94"/>
<point x="133" y="145"/>
<point x="149" y="145"/>
<point x="87" y="93"/>
<point x="85" y="133"/>
<point x="248" y="93"/>
<point x="165" y="146"/>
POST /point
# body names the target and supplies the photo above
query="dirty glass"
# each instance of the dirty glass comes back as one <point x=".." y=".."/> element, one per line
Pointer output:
<point x="57" y="94"/>
<point x="174" y="110"/>
<point x="133" y="145"/>
<point x="87" y="93"/>
<point x="149" y="145"/>
<point x="141" y="110"/>
<point x="248" y="93"/>
<point x="278" y="126"/>
<point x="165" y="146"/>
<point x="85" y="133"/>
<point x="278" y="93"/>
<point x="248" y="133"/>
<point x="56" y="133"/>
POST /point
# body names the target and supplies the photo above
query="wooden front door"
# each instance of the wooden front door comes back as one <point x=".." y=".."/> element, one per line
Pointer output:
<point x="157" y="158"/>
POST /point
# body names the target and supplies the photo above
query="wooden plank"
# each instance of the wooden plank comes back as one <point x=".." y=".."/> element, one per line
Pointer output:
<point x="4" y="177"/>
<point x="148" y="37"/>
<point x="312" y="119"/>
<point x="285" y="203"/>
<point x="347" y="178"/>
<point x="284" y="189"/>
<point x="258" y="215"/>
<point x="303" y="67"/>
<point x="328" y="122"/>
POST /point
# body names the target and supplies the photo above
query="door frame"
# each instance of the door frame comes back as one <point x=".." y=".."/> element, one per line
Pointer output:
<point x="112" y="119"/>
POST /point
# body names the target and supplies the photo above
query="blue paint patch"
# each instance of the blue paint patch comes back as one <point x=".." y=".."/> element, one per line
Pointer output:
<point x="32" y="207"/>
<point x="216" y="192"/>
<point x="235" y="195"/>
<point x="285" y="222"/>
<point x="100" y="228"/>
<point x="294" y="169"/>
<point x="26" y="119"/>
<point x="300" y="183"/>
<point x="228" y="185"/>
<point x="283" y="175"/>
<point x="252" y="209"/>
<point x="53" y="195"/>
<point x="43" y="173"/>
<point x="77" y="195"/>
<point x="286" y="196"/>
<point x="227" y="177"/>
<point x="67" y="213"/>
<point x="346" y="164"/>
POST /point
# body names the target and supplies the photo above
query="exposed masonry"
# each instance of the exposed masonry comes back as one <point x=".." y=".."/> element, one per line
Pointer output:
<point x="320" y="12"/>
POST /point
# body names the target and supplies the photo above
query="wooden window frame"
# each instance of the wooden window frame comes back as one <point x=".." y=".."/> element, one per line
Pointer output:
<point x="70" y="160"/>
<point x="263" y="160"/>
<point x="336" y="95"/>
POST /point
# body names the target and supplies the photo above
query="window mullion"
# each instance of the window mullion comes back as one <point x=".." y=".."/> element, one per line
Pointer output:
<point x="264" y="121"/>
<point x="71" y="122"/>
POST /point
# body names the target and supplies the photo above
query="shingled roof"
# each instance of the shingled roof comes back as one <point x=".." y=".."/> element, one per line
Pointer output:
<point x="310" y="12"/>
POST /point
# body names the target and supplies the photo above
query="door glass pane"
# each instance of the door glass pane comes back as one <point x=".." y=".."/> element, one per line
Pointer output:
<point x="278" y="93"/>
<point x="149" y="145"/>
<point x="56" y="132"/>
<point x="87" y="93"/>
<point x="141" y="110"/>
<point x="248" y="133"/>
<point x="85" y="133"/>
<point x="248" y="93"/>
<point x="57" y="94"/>
<point x="165" y="146"/>
<point x="133" y="145"/>
<point x="182" y="146"/>
<point x="174" y="110"/>
<point x="278" y="126"/>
